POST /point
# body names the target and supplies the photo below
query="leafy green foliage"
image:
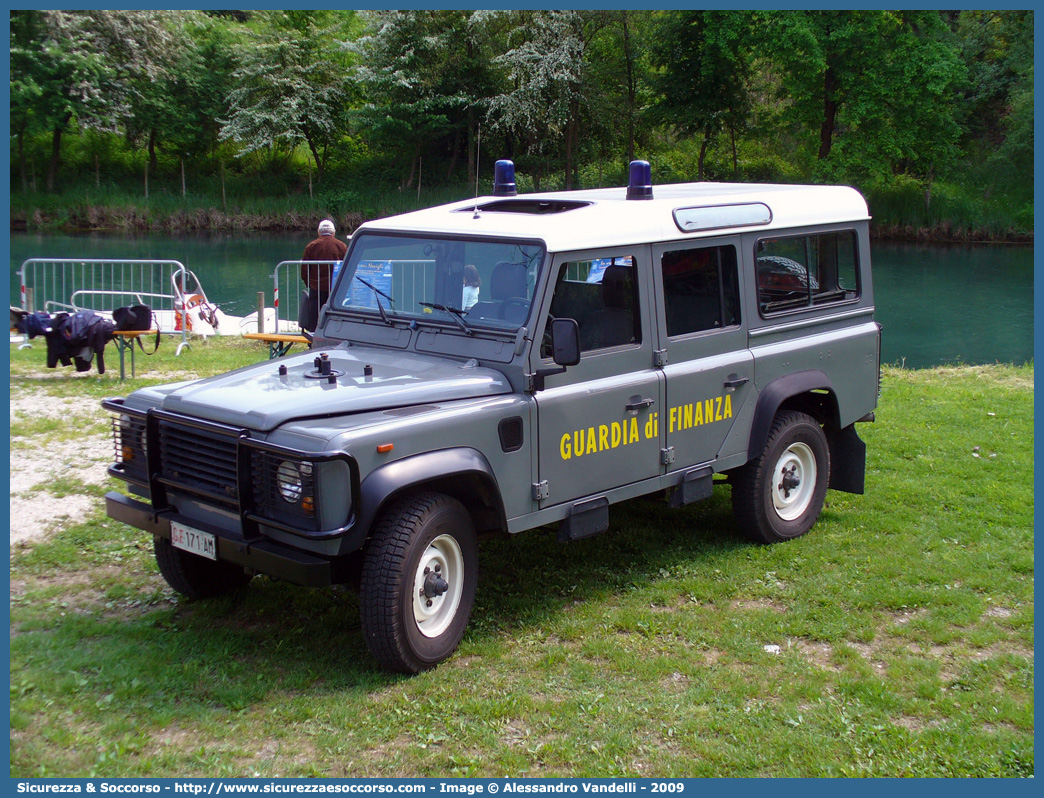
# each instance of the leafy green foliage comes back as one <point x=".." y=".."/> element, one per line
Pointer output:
<point x="93" y="68"/>
<point x="874" y="98"/>
<point x="423" y="76"/>
<point x="873" y="87"/>
<point x="290" y="85"/>
<point x="705" y="61"/>
<point x="546" y="72"/>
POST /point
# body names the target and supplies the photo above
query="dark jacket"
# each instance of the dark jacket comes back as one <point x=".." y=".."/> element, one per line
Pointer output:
<point x="323" y="248"/>
<point x="80" y="351"/>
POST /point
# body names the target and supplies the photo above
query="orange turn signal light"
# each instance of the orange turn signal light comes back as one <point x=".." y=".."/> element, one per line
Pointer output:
<point x="385" y="447"/>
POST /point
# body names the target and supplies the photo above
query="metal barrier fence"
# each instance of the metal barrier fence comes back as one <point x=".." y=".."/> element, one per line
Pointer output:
<point x="408" y="281"/>
<point x="288" y="287"/>
<point x="413" y="281"/>
<point x="70" y="284"/>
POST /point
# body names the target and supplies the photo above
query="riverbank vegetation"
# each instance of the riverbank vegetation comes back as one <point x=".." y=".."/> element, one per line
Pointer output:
<point x="253" y="120"/>
<point x="895" y="639"/>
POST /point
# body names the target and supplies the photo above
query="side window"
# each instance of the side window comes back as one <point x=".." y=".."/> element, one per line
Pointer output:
<point x="602" y="295"/>
<point x="700" y="289"/>
<point x="800" y="271"/>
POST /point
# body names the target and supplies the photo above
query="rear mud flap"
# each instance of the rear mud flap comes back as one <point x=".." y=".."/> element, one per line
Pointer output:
<point x="847" y="460"/>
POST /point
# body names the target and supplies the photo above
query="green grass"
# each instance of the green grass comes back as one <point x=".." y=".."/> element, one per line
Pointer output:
<point x="904" y="622"/>
<point x="201" y="358"/>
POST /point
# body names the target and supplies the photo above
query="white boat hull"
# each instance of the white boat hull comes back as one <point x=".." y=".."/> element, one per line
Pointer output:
<point x="170" y="321"/>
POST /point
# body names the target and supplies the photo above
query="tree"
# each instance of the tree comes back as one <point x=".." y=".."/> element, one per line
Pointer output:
<point x="86" y="67"/>
<point x="291" y="85"/>
<point x="704" y="59"/>
<point x="548" y="73"/>
<point x="424" y="75"/>
<point x="26" y="80"/>
<point x="997" y="47"/>
<point x="877" y="87"/>
<point x="182" y="106"/>
<point x="618" y="92"/>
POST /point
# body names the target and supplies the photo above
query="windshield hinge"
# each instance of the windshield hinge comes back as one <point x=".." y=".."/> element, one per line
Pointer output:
<point x="541" y="490"/>
<point x="660" y="358"/>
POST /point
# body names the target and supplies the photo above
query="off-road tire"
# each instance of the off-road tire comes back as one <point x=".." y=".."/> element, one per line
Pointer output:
<point x="768" y="512"/>
<point x="403" y="631"/>
<point x="194" y="576"/>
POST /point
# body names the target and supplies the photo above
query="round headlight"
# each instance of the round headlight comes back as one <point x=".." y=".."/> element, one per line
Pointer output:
<point x="289" y="480"/>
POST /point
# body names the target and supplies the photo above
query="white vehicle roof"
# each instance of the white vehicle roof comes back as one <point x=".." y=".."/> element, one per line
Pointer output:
<point x="592" y="218"/>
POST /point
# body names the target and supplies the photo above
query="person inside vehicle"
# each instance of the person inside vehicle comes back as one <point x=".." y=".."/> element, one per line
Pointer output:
<point x="472" y="283"/>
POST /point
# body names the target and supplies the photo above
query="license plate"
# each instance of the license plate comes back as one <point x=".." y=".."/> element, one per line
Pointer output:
<point x="194" y="540"/>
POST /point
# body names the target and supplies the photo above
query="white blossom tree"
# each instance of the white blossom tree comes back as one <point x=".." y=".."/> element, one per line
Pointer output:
<point x="424" y="75"/>
<point x="291" y="86"/>
<point x="548" y="75"/>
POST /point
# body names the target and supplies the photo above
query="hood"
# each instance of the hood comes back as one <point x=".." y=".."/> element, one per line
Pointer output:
<point x="260" y="398"/>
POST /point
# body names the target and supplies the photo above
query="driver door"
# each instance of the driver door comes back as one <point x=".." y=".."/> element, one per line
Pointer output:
<point x="598" y="423"/>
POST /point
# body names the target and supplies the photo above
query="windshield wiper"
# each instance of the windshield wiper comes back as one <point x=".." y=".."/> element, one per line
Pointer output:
<point x="455" y="313"/>
<point x="378" y="293"/>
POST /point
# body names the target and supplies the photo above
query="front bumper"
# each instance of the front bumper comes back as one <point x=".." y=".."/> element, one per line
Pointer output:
<point x="207" y="471"/>
<point x="258" y="554"/>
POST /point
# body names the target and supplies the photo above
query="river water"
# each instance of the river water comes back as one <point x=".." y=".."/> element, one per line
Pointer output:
<point x="938" y="304"/>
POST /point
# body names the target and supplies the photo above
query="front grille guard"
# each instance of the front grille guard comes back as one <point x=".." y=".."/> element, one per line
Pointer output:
<point x="245" y="504"/>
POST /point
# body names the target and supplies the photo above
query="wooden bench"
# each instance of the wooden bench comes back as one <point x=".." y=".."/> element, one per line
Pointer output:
<point x="278" y="343"/>
<point x="125" y="340"/>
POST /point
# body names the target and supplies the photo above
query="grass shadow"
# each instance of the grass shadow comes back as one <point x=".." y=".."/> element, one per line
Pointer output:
<point x="232" y="651"/>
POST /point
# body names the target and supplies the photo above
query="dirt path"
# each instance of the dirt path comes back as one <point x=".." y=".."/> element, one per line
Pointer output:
<point x="46" y="465"/>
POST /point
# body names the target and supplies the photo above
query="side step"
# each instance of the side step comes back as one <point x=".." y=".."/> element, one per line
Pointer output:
<point x="697" y="484"/>
<point x="586" y="519"/>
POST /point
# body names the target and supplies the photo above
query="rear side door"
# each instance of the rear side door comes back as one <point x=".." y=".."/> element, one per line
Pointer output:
<point x="709" y="370"/>
<point x="598" y="423"/>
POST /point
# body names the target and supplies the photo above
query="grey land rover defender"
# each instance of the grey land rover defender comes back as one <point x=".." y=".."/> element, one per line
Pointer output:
<point x="620" y="342"/>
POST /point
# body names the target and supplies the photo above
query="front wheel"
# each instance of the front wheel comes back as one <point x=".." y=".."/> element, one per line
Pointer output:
<point x="418" y="582"/>
<point x="779" y="495"/>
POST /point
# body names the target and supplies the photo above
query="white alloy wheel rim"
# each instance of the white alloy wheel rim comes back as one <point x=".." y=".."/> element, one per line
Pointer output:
<point x="794" y="481"/>
<point x="434" y="614"/>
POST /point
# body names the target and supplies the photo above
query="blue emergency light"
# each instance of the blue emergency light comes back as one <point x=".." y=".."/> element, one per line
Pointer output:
<point x="504" y="179"/>
<point x="639" y="183"/>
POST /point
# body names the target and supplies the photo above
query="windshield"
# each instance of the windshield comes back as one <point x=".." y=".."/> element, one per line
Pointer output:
<point x="464" y="283"/>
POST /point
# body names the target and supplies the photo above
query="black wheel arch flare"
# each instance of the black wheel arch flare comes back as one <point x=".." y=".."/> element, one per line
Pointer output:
<point x="812" y="392"/>
<point x="780" y="392"/>
<point x="461" y="472"/>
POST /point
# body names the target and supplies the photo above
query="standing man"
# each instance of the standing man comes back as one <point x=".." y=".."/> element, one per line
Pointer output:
<point x="316" y="276"/>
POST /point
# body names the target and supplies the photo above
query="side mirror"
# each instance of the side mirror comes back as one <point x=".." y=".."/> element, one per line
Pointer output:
<point x="565" y="350"/>
<point x="565" y="342"/>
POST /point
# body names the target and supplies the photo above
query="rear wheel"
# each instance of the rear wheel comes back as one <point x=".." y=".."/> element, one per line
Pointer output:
<point x="418" y="582"/>
<point x="195" y="576"/>
<point x="779" y="495"/>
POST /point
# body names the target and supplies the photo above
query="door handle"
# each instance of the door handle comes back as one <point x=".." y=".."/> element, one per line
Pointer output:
<point x="734" y="381"/>
<point x="639" y="404"/>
